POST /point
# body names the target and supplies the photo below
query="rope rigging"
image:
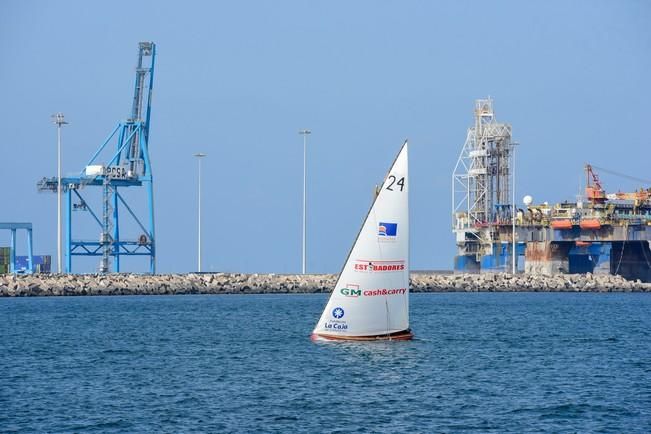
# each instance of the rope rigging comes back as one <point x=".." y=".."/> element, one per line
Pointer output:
<point x="622" y="175"/>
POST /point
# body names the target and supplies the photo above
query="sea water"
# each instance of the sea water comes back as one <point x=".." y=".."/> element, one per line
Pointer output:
<point x="483" y="362"/>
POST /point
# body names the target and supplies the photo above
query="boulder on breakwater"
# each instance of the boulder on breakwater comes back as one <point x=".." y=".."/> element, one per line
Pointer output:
<point x="235" y="283"/>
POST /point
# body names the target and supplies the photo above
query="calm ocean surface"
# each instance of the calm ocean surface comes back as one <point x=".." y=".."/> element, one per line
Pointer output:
<point x="487" y="362"/>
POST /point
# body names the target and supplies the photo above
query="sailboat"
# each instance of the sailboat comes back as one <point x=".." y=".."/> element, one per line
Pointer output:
<point x="370" y="300"/>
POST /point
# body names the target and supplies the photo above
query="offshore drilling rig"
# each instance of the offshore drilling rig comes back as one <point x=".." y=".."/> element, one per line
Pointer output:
<point x="482" y="203"/>
<point x="599" y="232"/>
<point x="112" y="168"/>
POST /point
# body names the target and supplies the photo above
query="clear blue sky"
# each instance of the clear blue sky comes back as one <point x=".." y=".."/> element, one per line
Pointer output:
<point x="237" y="79"/>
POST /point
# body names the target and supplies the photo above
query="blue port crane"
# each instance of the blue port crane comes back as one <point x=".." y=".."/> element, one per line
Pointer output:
<point x="12" y="227"/>
<point x="127" y="165"/>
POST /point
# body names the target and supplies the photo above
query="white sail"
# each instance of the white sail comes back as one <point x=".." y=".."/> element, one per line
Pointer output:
<point x="371" y="296"/>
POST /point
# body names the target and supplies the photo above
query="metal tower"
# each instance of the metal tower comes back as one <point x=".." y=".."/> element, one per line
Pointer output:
<point x="128" y="165"/>
<point x="481" y="182"/>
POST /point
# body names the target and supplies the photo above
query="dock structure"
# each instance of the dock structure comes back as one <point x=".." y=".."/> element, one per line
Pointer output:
<point x="598" y="233"/>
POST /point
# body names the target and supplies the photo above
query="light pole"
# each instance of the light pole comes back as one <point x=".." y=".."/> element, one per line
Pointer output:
<point x="304" y="133"/>
<point x="199" y="156"/>
<point x="59" y="120"/>
<point x="513" y="213"/>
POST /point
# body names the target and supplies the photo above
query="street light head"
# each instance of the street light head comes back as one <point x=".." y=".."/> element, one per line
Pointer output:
<point x="58" y="119"/>
<point x="200" y="155"/>
<point x="303" y="132"/>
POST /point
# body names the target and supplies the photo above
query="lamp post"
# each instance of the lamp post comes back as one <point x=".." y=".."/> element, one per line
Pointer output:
<point x="58" y="120"/>
<point x="304" y="133"/>
<point x="199" y="156"/>
<point x="513" y="212"/>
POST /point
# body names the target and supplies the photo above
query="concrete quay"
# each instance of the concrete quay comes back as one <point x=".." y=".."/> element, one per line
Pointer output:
<point x="235" y="283"/>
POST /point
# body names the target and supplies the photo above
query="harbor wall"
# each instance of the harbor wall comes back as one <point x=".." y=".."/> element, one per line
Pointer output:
<point x="235" y="283"/>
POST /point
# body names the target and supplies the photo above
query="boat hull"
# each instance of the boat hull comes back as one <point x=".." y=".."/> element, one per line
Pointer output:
<point x="404" y="335"/>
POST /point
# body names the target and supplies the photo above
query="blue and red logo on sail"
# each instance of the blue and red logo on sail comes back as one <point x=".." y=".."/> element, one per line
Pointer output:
<point x="388" y="230"/>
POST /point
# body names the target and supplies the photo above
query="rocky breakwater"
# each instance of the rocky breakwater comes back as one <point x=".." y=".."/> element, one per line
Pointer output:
<point x="235" y="283"/>
<point x="503" y="282"/>
<point x="161" y="284"/>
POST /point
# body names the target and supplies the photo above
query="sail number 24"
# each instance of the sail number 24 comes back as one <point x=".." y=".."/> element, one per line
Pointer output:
<point x="392" y="181"/>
